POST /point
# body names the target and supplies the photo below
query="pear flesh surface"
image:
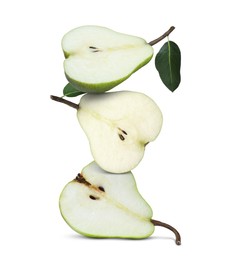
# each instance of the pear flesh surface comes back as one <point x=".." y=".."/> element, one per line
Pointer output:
<point x="98" y="59"/>
<point x="100" y="204"/>
<point x="118" y="126"/>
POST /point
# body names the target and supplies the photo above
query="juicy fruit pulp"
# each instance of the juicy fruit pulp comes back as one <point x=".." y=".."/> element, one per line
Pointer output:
<point x="100" y="204"/>
<point x="118" y="126"/>
<point x="98" y="59"/>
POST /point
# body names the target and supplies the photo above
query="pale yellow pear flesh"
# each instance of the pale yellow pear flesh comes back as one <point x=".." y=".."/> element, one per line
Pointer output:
<point x="100" y="204"/>
<point x="118" y="126"/>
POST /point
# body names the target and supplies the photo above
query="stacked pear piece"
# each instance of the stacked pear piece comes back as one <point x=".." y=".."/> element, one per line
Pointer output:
<point x="103" y="199"/>
<point x="98" y="59"/>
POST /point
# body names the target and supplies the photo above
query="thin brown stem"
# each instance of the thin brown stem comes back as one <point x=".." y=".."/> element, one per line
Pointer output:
<point x="162" y="36"/>
<point x="161" y="224"/>
<point x="64" y="101"/>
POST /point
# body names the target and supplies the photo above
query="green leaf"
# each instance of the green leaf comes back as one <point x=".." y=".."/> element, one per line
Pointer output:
<point x="70" y="91"/>
<point x="168" y="62"/>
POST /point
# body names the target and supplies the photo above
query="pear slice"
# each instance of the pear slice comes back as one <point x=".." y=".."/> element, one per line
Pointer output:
<point x="118" y="126"/>
<point x="100" y="204"/>
<point x="98" y="59"/>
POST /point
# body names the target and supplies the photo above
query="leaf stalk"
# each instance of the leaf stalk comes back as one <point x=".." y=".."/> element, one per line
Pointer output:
<point x="162" y="36"/>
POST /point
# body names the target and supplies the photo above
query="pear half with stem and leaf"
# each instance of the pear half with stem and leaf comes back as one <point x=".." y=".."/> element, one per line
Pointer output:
<point x="104" y="205"/>
<point x="118" y="125"/>
<point x="98" y="58"/>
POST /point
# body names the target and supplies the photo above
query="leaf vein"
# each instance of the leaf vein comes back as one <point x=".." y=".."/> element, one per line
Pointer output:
<point x="170" y="64"/>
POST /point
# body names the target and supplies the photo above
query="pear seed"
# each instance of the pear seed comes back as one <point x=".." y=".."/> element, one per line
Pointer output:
<point x="101" y="188"/>
<point x="92" y="197"/>
<point x="121" y="137"/>
<point x="94" y="49"/>
<point x="123" y="131"/>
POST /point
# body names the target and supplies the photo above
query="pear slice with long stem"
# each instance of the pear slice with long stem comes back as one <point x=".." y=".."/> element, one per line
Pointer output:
<point x="118" y="126"/>
<point x="99" y="204"/>
<point x="98" y="58"/>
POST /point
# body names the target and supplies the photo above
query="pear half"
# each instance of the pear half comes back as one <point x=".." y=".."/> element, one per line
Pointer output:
<point x="118" y="126"/>
<point x="98" y="59"/>
<point x="100" y="204"/>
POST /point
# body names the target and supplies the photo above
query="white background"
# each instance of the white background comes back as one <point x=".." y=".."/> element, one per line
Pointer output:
<point x="184" y="174"/>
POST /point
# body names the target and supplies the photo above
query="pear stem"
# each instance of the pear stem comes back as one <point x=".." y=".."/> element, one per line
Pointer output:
<point x="162" y="36"/>
<point x="64" y="101"/>
<point x="161" y="224"/>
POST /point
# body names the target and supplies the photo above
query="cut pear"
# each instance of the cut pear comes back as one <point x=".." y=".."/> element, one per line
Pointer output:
<point x="98" y="59"/>
<point x="100" y="204"/>
<point x="118" y="126"/>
